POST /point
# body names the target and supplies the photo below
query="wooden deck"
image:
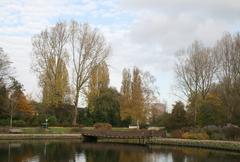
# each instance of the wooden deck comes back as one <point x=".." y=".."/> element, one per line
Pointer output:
<point x="93" y="135"/>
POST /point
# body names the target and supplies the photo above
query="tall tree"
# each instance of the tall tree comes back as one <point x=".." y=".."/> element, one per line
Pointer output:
<point x="178" y="117"/>
<point x="15" y="92"/>
<point x="98" y="81"/>
<point x="49" y="62"/>
<point x="88" y="49"/>
<point x="195" y="73"/>
<point x="126" y="94"/>
<point x="150" y="94"/>
<point x="211" y="110"/>
<point x="5" y="73"/>
<point x="136" y="95"/>
<point x="228" y="52"/>
<point x="138" y="107"/>
<point x="107" y="108"/>
<point x="56" y="94"/>
<point x="3" y="98"/>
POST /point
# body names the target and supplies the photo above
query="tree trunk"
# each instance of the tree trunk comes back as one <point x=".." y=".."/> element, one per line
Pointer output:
<point x="11" y="120"/>
<point x="75" y="111"/>
<point x="11" y="114"/>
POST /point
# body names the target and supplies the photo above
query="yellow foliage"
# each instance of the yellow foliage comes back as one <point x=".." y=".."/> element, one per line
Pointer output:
<point x="23" y="105"/>
<point x="199" y="136"/>
<point x="99" y="80"/>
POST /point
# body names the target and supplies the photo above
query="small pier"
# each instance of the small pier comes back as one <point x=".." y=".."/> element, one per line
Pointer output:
<point x="141" y="135"/>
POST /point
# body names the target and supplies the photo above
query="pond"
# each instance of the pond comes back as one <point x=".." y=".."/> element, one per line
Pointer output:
<point x="76" y="151"/>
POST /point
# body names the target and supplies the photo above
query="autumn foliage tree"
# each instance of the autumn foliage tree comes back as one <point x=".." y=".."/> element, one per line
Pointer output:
<point x="138" y="109"/>
<point x="17" y="100"/>
<point x="126" y="94"/>
<point x="99" y="81"/>
<point x="57" y="93"/>
<point x="137" y="94"/>
<point x="50" y="58"/>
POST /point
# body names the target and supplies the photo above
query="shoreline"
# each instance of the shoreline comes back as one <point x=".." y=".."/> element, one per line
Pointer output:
<point x="39" y="136"/>
<point x="206" y="144"/>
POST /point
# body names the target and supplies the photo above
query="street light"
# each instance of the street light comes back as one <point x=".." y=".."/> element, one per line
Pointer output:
<point x="46" y="122"/>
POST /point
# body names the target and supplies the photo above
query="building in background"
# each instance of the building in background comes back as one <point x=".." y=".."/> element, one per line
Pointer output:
<point x="157" y="109"/>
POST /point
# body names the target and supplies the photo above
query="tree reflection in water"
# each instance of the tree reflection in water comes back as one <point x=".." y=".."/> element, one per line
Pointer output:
<point x="75" y="151"/>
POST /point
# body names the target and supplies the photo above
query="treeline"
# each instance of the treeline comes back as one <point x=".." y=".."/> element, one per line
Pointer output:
<point x="70" y="63"/>
<point x="209" y="77"/>
<point x="14" y="104"/>
<point x="132" y="105"/>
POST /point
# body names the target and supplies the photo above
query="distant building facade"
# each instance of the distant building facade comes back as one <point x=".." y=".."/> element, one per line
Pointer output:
<point x="158" y="108"/>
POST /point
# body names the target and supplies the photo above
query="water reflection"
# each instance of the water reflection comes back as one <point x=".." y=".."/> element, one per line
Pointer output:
<point x="75" y="151"/>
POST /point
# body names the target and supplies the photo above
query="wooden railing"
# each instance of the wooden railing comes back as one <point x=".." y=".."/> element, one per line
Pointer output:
<point x="123" y="134"/>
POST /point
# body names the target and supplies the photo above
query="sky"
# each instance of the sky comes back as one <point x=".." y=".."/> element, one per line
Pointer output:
<point x="142" y="33"/>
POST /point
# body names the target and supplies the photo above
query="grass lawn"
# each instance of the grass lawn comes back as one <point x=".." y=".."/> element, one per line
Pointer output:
<point x="50" y="130"/>
<point x="61" y="130"/>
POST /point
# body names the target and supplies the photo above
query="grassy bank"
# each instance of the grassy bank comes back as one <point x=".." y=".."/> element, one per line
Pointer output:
<point x="209" y="144"/>
<point x="53" y="130"/>
<point x="38" y="136"/>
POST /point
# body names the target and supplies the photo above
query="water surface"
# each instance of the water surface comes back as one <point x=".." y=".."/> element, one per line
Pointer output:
<point x="75" y="151"/>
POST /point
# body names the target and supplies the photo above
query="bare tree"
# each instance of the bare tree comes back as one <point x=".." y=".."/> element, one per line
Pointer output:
<point x="150" y="92"/>
<point x="5" y="69"/>
<point x="195" y="72"/>
<point x="228" y="52"/>
<point x="88" y="49"/>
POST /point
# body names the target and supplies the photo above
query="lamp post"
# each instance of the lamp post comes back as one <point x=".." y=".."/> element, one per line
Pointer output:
<point x="46" y="122"/>
<point x="12" y="101"/>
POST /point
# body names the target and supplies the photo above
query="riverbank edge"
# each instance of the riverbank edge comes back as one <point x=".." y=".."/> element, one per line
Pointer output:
<point x="208" y="144"/>
<point x="39" y="136"/>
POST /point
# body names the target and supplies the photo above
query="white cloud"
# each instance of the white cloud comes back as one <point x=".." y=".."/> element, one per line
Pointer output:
<point x="144" y="33"/>
<point x="222" y="9"/>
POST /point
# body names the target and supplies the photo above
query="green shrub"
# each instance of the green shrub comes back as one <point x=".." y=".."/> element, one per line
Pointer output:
<point x="199" y="136"/>
<point x="35" y="122"/>
<point x="143" y="126"/>
<point x="75" y="130"/>
<point x="102" y="126"/>
<point x="52" y="120"/>
<point x="4" y="122"/>
<point x="19" y="123"/>
<point x="217" y="136"/>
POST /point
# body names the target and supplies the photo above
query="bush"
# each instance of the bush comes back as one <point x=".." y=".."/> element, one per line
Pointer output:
<point x="52" y="120"/>
<point x="76" y="130"/>
<point x="217" y="136"/>
<point x="143" y="126"/>
<point x="102" y="126"/>
<point x="4" y="122"/>
<point x="199" y="136"/>
<point x="19" y="123"/>
<point x="177" y="133"/>
<point x="211" y="129"/>
<point x="231" y="132"/>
